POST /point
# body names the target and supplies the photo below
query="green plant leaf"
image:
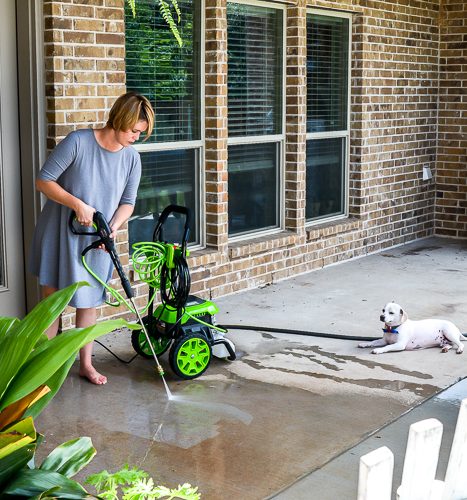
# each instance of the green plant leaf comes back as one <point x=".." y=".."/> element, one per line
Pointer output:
<point x="5" y="325"/>
<point x="15" y="461"/>
<point x="168" y="18"/>
<point x="16" y="436"/>
<point x="107" y="484"/>
<point x="53" y="383"/>
<point x="70" y="457"/>
<point x="132" y="4"/>
<point x="50" y="356"/>
<point x="43" y="338"/>
<point x="22" y="336"/>
<point x="184" y="492"/>
<point x="33" y="482"/>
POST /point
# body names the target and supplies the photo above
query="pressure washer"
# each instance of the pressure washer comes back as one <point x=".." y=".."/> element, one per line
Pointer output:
<point x="183" y="323"/>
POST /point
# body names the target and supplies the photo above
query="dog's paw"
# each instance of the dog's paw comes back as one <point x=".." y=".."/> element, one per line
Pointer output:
<point x="364" y="344"/>
<point x="460" y="349"/>
<point x="378" y="350"/>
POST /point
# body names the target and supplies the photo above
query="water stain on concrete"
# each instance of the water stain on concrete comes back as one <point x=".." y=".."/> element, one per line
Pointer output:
<point x="423" y="390"/>
<point x="342" y="358"/>
<point x="339" y="358"/>
<point x="451" y="308"/>
<point x="419" y="249"/>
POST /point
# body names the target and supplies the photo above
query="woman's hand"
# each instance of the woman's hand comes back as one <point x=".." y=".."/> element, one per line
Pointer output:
<point x="84" y="214"/>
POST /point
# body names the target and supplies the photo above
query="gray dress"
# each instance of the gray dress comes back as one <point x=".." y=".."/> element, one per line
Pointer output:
<point x="102" y="179"/>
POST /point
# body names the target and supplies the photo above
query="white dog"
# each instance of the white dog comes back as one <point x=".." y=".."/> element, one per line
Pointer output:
<point x="401" y="333"/>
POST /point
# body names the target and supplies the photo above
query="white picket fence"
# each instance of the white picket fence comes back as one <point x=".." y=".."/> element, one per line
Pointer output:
<point x="421" y="460"/>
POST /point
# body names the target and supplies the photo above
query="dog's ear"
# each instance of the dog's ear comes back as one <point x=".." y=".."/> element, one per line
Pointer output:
<point x="404" y="316"/>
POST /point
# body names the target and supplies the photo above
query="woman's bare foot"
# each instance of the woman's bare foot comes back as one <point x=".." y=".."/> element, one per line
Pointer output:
<point x="92" y="375"/>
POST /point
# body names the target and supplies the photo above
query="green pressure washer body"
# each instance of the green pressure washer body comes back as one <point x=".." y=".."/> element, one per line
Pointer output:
<point x="182" y="322"/>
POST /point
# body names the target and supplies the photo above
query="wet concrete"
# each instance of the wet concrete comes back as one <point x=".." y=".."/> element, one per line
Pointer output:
<point x="290" y="404"/>
<point x="229" y="435"/>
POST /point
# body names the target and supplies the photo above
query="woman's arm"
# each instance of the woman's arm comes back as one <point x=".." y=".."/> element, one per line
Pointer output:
<point x="53" y="191"/>
<point x="121" y="215"/>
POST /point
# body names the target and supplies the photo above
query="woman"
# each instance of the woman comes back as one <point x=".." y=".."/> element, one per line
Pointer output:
<point x="91" y="169"/>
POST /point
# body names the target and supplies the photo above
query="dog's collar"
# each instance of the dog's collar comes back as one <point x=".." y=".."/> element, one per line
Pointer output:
<point x="391" y="329"/>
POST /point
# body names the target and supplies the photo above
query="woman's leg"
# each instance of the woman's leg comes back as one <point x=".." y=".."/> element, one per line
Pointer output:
<point x="53" y="328"/>
<point x="84" y="318"/>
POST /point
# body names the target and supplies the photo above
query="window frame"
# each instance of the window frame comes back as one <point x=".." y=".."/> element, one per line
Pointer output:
<point x="345" y="134"/>
<point x="198" y="144"/>
<point x="275" y="138"/>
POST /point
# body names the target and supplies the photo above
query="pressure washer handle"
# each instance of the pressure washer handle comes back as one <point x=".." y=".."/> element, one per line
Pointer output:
<point x="158" y="230"/>
<point x="74" y="230"/>
<point x="104" y="231"/>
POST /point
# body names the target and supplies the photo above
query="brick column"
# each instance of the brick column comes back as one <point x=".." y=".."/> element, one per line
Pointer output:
<point x="84" y="63"/>
<point x="216" y="124"/>
<point x="358" y="117"/>
<point x="451" y="171"/>
<point x="295" y="146"/>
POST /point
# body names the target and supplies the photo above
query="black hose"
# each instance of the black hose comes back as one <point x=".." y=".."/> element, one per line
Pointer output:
<point x="127" y="362"/>
<point x="302" y="332"/>
<point x="296" y="332"/>
<point x="175" y="283"/>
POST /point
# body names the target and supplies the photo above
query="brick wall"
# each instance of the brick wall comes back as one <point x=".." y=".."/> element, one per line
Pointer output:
<point x="216" y="124"/>
<point x="394" y="97"/>
<point x="84" y="63"/>
<point x="394" y="120"/>
<point x="451" y="171"/>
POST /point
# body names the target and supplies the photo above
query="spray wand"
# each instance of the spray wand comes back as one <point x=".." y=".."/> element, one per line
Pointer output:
<point x="103" y="231"/>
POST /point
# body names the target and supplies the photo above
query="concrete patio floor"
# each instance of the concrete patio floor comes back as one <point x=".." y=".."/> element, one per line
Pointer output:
<point x="289" y="404"/>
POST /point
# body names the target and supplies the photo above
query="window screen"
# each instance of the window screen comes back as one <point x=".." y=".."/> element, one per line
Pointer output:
<point x="255" y="70"/>
<point x="253" y="187"/>
<point x="325" y="159"/>
<point x="162" y="71"/>
<point x="327" y="73"/>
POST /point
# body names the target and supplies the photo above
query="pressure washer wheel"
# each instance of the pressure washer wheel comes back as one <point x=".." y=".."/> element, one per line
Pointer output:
<point x="141" y="345"/>
<point x="190" y="355"/>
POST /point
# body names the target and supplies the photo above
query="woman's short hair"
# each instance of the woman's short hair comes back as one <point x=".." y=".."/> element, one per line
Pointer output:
<point x="128" y="109"/>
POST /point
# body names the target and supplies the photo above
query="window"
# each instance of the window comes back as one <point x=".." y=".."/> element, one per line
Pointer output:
<point x="253" y="186"/>
<point x="255" y="116"/>
<point x="327" y="115"/>
<point x="170" y="77"/>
